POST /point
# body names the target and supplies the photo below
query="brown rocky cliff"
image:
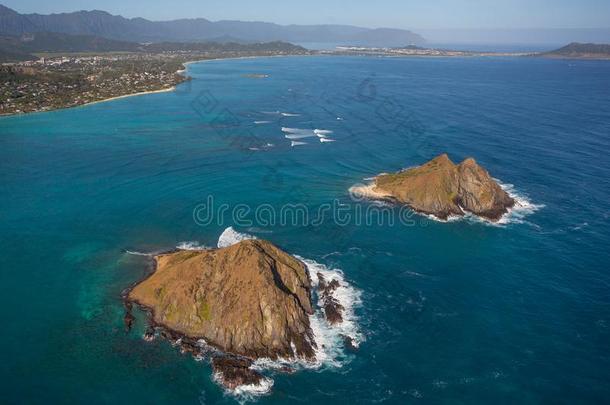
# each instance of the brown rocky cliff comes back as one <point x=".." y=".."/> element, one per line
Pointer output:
<point x="442" y="188"/>
<point x="250" y="299"/>
<point x="479" y="193"/>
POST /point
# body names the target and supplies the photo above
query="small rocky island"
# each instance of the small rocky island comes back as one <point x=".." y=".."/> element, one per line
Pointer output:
<point x="443" y="189"/>
<point x="236" y="304"/>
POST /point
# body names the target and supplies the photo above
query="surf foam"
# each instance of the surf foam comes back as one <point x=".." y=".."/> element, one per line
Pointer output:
<point x="230" y="237"/>
<point x="246" y="393"/>
<point x="322" y="132"/>
<point x="191" y="245"/>
<point x="298" y="131"/>
<point x="295" y="136"/>
<point x="523" y="206"/>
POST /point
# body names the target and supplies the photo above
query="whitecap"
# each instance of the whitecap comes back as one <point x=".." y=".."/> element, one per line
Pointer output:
<point x="294" y="136"/>
<point x="322" y="132"/>
<point x="230" y="237"/>
<point x="324" y="140"/>
<point x="284" y="114"/>
<point x="295" y="143"/>
<point x="262" y="122"/>
<point x="298" y="131"/>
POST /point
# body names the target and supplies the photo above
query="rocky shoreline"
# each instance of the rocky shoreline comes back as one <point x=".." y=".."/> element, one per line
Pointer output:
<point x="442" y="189"/>
<point x="233" y="367"/>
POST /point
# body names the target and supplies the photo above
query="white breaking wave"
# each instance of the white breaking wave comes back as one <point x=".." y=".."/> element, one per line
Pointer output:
<point x="262" y="122"/>
<point x="295" y="143"/>
<point x="230" y="237"/>
<point x="245" y="393"/>
<point x="298" y="131"/>
<point x="322" y="132"/>
<point x="294" y="136"/>
<point x="191" y="245"/>
<point x="284" y="114"/>
<point x="348" y="296"/>
<point x="523" y="206"/>
<point x="326" y="140"/>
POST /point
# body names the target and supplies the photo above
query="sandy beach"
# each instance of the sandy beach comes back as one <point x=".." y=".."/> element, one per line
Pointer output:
<point x="142" y="93"/>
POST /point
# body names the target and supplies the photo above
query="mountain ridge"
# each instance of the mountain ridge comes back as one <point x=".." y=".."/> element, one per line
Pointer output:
<point x="104" y="24"/>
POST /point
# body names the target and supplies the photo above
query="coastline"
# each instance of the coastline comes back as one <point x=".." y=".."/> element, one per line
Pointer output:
<point x="143" y="93"/>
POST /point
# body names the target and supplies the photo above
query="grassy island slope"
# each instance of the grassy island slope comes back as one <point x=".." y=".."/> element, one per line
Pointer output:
<point x="443" y="189"/>
<point x="250" y="299"/>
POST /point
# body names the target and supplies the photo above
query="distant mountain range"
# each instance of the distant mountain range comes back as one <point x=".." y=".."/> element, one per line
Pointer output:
<point x="103" y="24"/>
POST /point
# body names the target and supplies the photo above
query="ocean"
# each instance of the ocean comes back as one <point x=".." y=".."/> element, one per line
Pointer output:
<point x="444" y="312"/>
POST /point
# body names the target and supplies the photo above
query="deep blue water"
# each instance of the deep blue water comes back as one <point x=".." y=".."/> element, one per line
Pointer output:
<point x="459" y="312"/>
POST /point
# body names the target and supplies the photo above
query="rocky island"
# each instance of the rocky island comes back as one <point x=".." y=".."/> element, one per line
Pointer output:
<point x="577" y="50"/>
<point x="237" y="304"/>
<point x="443" y="189"/>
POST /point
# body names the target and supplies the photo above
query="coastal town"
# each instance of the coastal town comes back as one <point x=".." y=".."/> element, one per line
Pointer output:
<point x="413" y="50"/>
<point x="64" y="81"/>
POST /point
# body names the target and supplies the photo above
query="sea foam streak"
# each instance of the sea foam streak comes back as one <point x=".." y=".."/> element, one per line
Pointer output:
<point x="191" y="245"/>
<point x="295" y="143"/>
<point x="136" y="253"/>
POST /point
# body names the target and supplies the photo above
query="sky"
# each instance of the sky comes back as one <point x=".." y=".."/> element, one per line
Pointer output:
<point x="409" y="14"/>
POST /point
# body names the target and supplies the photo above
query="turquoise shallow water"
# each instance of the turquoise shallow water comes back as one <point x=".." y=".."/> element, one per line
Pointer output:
<point x="458" y="312"/>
